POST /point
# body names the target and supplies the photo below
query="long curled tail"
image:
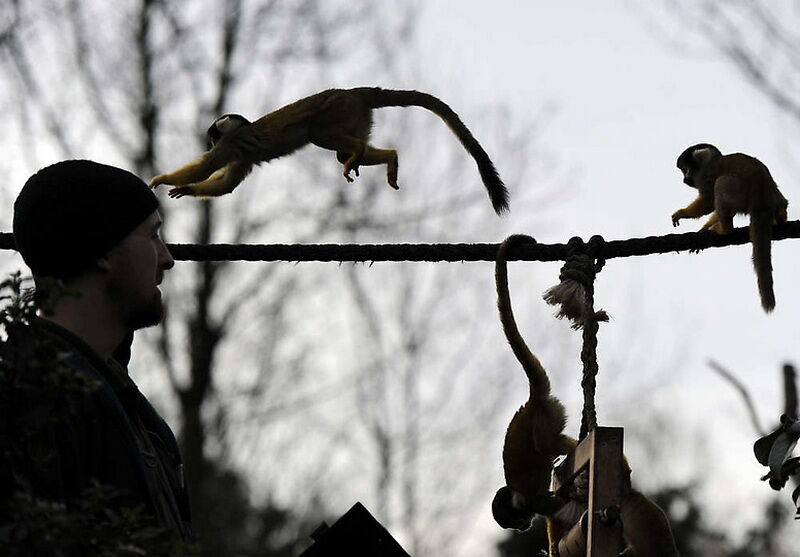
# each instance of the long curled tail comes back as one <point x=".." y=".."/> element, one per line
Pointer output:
<point x="537" y="376"/>
<point x="761" y="238"/>
<point x="376" y="97"/>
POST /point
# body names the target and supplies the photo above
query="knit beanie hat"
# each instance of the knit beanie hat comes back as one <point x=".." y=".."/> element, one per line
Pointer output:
<point x="73" y="212"/>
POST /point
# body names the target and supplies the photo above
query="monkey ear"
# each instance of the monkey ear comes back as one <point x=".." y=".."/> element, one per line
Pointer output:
<point x="228" y="122"/>
<point x="705" y="152"/>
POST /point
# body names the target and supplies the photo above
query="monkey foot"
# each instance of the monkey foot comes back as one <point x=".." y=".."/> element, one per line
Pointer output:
<point x="391" y="177"/>
<point x="347" y="170"/>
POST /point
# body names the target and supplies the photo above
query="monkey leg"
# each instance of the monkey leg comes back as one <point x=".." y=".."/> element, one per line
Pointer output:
<point x="780" y="211"/>
<point x="343" y="157"/>
<point x="711" y="222"/>
<point x="725" y="202"/>
<point x="373" y="156"/>
<point x="723" y="224"/>
<point x="349" y="151"/>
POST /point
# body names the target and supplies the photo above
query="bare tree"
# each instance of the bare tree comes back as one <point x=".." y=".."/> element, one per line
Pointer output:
<point x="434" y="387"/>
<point x="761" y="39"/>
<point x="271" y="367"/>
<point x="131" y="83"/>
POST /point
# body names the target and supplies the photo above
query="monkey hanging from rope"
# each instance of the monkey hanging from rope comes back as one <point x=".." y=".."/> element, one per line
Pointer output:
<point x="335" y="119"/>
<point x="535" y="439"/>
<point x="735" y="184"/>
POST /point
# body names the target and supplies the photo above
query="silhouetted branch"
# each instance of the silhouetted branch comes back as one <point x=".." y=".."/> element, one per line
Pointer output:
<point x="739" y="386"/>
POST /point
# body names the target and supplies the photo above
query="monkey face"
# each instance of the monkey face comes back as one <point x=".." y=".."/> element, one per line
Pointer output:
<point x="688" y="175"/>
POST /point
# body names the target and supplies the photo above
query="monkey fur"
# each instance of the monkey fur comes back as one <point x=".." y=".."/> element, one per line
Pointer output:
<point x="335" y="119"/>
<point x="533" y="441"/>
<point x="735" y="184"/>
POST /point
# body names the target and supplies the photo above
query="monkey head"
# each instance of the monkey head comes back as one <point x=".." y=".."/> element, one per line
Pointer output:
<point x="506" y="514"/>
<point x="223" y="125"/>
<point x="693" y="159"/>
<point x="513" y="510"/>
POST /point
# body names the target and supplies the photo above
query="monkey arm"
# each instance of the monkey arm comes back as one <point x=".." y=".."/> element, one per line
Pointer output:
<point x="219" y="183"/>
<point x="703" y="205"/>
<point x="197" y="170"/>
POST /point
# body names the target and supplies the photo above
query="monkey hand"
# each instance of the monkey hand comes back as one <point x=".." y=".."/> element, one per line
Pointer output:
<point x="677" y="216"/>
<point x="181" y="191"/>
<point x="158" y="180"/>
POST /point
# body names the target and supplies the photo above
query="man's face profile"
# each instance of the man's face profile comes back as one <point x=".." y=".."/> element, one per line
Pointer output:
<point x="137" y="266"/>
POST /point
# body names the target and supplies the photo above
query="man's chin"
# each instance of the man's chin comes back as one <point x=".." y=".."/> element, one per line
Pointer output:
<point x="147" y="315"/>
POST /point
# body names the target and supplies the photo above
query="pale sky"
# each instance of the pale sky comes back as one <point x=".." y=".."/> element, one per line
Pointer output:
<point x="627" y="104"/>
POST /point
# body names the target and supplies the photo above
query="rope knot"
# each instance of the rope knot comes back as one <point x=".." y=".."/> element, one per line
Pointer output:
<point x="575" y="291"/>
<point x="579" y="268"/>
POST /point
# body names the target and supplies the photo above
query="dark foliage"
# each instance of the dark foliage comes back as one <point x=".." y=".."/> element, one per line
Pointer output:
<point x="36" y="389"/>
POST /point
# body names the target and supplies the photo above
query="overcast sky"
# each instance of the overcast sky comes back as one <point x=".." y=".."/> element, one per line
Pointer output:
<point x="627" y="104"/>
<point x="621" y="104"/>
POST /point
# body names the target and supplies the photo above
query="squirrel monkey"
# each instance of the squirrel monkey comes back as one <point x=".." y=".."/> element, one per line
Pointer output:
<point x="735" y="184"/>
<point x="534" y="438"/>
<point x="533" y="441"/>
<point x="336" y="119"/>
<point x="645" y="527"/>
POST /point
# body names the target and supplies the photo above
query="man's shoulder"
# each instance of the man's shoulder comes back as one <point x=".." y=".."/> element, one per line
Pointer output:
<point x="71" y="347"/>
<point x="62" y="369"/>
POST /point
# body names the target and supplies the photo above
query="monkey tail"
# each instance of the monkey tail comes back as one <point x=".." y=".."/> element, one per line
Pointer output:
<point x="537" y="376"/>
<point x="376" y="97"/>
<point x="761" y="238"/>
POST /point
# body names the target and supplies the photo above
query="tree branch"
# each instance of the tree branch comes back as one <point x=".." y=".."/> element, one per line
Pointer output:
<point x="743" y="392"/>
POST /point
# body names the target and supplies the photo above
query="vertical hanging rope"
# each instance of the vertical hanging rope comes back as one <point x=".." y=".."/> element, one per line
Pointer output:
<point x="575" y="295"/>
<point x="589" y="350"/>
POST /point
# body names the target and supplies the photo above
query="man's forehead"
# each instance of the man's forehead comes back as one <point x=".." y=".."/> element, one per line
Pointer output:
<point x="152" y="221"/>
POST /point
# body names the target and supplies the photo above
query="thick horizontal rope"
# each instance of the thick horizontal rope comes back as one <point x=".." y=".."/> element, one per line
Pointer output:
<point x="456" y="252"/>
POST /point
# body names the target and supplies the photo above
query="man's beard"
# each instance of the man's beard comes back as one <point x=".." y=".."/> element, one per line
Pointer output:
<point x="146" y="314"/>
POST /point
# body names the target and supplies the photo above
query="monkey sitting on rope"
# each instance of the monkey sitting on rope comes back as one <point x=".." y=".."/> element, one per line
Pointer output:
<point x="735" y="184"/>
<point x="535" y="439"/>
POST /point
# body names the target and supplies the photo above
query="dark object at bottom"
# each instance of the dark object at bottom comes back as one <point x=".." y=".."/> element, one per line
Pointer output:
<point x="355" y="533"/>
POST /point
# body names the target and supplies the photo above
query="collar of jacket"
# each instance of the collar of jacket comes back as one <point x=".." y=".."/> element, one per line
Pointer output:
<point x="114" y="373"/>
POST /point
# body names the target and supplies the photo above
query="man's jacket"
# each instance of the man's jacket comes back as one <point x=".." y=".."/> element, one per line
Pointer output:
<point x="116" y="438"/>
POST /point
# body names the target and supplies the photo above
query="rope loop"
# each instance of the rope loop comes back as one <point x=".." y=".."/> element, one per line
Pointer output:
<point x="595" y="248"/>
